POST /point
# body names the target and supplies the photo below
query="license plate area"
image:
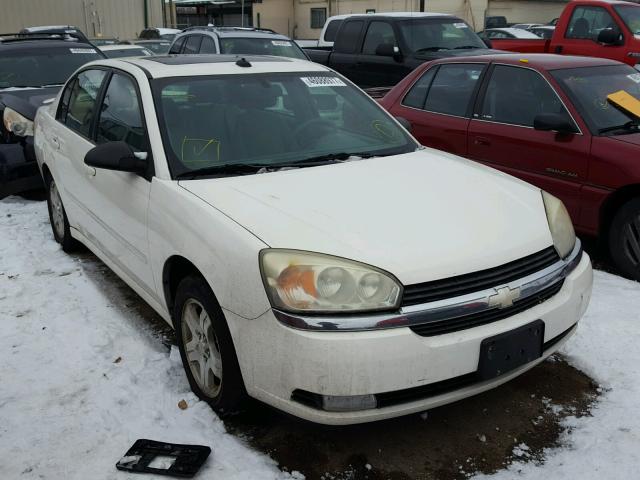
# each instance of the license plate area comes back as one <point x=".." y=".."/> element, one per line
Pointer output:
<point x="509" y="350"/>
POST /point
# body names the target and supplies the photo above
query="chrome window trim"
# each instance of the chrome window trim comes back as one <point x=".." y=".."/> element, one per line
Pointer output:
<point x="479" y="117"/>
<point x="425" y="313"/>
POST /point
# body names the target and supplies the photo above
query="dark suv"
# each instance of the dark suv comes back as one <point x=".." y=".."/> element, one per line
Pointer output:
<point x="33" y="67"/>
<point x="235" y="40"/>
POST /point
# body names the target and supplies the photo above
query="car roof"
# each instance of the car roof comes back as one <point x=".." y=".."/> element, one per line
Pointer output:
<point x="162" y="66"/>
<point x="518" y="32"/>
<point x="236" y="32"/>
<point x="40" y="43"/>
<point x="390" y="14"/>
<point x="539" y="61"/>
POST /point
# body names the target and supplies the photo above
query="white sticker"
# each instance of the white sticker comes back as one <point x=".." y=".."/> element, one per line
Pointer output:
<point x="82" y="50"/>
<point x="460" y="25"/>
<point x="281" y="43"/>
<point x="634" y="77"/>
<point x="323" y="82"/>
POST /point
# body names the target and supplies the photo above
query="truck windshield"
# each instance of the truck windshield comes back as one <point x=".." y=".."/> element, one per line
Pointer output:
<point x="630" y="16"/>
<point x="44" y="66"/>
<point x="271" y="121"/>
<point x="261" y="46"/>
<point x="589" y="87"/>
<point x="433" y="34"/>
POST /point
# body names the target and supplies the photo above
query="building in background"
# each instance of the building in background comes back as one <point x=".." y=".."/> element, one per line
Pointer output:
<point x="303" y="19"/>
<point x="234" y="13"/>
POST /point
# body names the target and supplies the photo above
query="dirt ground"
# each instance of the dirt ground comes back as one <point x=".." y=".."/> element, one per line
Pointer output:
<point x="479" y="434"/>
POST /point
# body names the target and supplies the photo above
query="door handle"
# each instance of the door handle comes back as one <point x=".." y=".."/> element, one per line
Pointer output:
<point x="482" y="141"/>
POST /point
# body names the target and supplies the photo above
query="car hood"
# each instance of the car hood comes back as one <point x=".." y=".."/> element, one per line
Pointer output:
<point x="632" y="138"/>
<point x="421" y="216"/>
<point x="26" y="101"/>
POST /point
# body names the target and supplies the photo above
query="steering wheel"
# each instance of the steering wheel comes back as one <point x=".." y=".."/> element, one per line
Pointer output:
<point x="319" y="122"/>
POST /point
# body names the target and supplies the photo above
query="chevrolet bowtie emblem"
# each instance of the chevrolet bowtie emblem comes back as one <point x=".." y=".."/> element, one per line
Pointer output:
<point x="504" y="297"/>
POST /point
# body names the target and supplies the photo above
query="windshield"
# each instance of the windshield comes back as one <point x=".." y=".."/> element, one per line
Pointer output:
<point x="128" y="52"/>
<point x="589" y="87"/>
<point x="432" y="34"/>
<point x="46" y="66"/>
<point x="630" y="16"/>
<point x="261" y="46"/>
<point x="270" y="120"/>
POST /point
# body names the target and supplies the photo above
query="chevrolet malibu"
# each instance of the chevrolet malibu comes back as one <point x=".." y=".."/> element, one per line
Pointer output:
<point x="307" y="250"/>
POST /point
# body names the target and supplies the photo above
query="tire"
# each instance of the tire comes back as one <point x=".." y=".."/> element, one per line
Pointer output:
<point x="58" y="219"/>
<point x="206" y="347"/>
<point x="624" y="239"/>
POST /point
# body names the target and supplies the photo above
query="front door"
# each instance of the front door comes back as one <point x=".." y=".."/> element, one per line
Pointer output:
<point x="501" y="134"/>
<point x="378" y="70"/>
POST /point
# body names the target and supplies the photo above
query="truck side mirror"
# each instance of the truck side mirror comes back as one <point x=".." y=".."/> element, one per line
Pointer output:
<point x="388" y="50"/>
<point x="610" y="36"/>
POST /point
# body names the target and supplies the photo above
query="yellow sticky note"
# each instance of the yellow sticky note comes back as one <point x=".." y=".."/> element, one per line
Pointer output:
<point x="626" y="102"/>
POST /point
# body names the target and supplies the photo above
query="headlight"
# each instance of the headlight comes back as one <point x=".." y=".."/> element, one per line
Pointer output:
<point x="564" y="237"/>
<point x="299" y="281"/>
<point x="16" y="123"/>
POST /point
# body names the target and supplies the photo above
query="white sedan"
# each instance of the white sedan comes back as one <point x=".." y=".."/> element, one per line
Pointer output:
<point x="306" y="249"/>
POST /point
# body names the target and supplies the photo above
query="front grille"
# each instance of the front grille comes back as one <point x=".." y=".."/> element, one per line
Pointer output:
<point x="440" y="327"/>
<point x="477" y="281"/>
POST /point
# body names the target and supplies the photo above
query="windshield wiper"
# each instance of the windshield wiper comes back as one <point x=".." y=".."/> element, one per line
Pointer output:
<point x="319" y="160"/>
<point x="630" y="126"/>
<point x="466" y="47"/>
<point x="430" y="49"/>
<point x="222" y="170"/>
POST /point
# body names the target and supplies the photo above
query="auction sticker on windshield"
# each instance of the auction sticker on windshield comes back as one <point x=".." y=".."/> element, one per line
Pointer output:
<point x="281" y="43"/>
<point x="635" y="77"/>
<point x="323" y="82"/>
<point x="82" y="50"/>
<point x="461" y="25"/>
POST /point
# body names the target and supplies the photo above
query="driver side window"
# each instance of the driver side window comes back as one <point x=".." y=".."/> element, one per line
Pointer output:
<point x="587" y="22"/>
<point x="120" y="116"/>
<point x="377" y="34"/>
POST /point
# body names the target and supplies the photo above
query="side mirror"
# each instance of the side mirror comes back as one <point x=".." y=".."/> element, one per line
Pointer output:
<point x="553" y="122"/>
<point x="487" y="42"/>
<point x="388" y="50"/>
<point x="609" y="36"/>
<point x="406" y="124"/>
<point x="117" y="156"/>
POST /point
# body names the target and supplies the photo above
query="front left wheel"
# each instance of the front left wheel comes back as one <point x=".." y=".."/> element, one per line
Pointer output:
<point x="206" y="346"/>
<point x="58" y="219"/>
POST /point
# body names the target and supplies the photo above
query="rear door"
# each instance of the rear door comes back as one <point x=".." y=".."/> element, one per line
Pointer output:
<point x="439" y="105"/>
<point x="501" y="134"/>
<point x="345" y="52"/>
<point x="375" y="70"/>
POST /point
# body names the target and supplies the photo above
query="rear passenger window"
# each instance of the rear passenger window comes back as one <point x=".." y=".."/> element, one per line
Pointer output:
<point x="349" y="36"/>
<point x="82" y="101"/>
<point x="208" y="45"/>
<point x="120" y="117"/>
<point x="331" y="30"/>
<point x="193" y="44"/>
<point x="418" y="93"/>
<point x="378" y="33"/>
<point x="452" y="89"/>
<point x="177" y="45"/>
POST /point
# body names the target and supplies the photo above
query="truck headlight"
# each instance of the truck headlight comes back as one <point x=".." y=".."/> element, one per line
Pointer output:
<point x="17" y="124"/>
<point x="298" y="281"/>
<point x="564" y="237"/>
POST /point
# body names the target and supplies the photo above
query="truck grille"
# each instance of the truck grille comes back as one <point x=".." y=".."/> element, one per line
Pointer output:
<point x="478" y="281"/>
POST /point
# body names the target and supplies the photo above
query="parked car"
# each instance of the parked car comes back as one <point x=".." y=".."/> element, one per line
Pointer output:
<point x="33" y="67"/>
<point x="102" y="41"/>
<point x="159" y="47"/>
<point x="497" y="33"/>
<point x="495" y="22"/>
<point x="525" y="26"/>
<point x="75" y="32"/>
<point x="545" y="31"/>
<point x="596" y="28"/>
<point x="305" y="248"/>
<point x="119" y="51"/>
<point x="329" y="31"/>
<point x="236" y="41"/>
<point x="154" y="33"/>
<point x="545" y="119"/>
<point x="380" y="50"/>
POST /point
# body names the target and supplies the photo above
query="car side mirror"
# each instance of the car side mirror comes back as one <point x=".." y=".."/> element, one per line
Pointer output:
<point x="610" y="36"/>
<point x="388" y="50"/>
<point x="117" y="156"/>
<point x="406" y="124"/>
<point x="487" y="42"/>
<point x="553" y="122"/>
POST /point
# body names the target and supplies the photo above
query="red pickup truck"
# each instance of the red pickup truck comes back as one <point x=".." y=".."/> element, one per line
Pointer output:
<point x="595" y="28"/>
<point x="546" y="119"/>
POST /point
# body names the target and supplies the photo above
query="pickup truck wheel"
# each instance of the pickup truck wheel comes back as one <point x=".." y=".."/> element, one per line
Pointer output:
<point x="624" y="239"/>
<point x="58" y="219"/>
<point x="206" y="347"/>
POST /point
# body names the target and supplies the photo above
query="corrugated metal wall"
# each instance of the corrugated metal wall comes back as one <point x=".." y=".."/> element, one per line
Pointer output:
<point x="111" y="18"/>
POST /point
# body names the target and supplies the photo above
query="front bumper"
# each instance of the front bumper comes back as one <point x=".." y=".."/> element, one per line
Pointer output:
<point x="277" y="360"/>
<point x="18" y="168"/>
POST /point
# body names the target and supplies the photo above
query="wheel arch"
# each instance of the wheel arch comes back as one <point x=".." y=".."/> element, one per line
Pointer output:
<point x="612" y="204"/>
<point x="46" y="174"/>
<point x="175" y="269"/>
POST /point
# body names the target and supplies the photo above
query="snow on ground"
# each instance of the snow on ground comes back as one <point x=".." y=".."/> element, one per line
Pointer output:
<point x="68" y="410"/>
<point x="606" y="346"/>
